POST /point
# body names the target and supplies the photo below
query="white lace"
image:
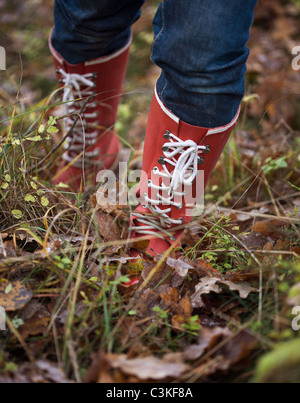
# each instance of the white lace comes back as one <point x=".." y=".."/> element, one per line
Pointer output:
<point x="79" y="86"/>
<point x="184" y="157"/>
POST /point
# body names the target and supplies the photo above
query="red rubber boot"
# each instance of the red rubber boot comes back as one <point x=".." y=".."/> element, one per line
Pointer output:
<point x="175" y="154"/>
<point x="92" y="146"/>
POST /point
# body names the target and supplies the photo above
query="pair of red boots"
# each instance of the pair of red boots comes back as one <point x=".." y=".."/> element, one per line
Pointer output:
<point x="175" y="151"/>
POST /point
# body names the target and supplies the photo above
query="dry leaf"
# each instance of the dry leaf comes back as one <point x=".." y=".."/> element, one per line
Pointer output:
<point x="170" y="297"/>
<point x="182" y="268"/>
<point x="208" y="338"/>
<point x="40" y="371"/>
<point x="147" y="368"/>
<point x="107" y="227"/>
<point x="208" y="285"/>
<point x="17" y="297"/>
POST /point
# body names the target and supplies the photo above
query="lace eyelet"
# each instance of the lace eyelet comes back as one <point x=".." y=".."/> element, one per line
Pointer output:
<point x="165" y="149"/>
<point x="207" y="150"/>
<point x="155" y="170"/>
<point x="180" y="207"/>
<point x="167" y="135"/>
<point x="201" y="161"/>
<point x="162" y="161"/>
<point x="149" y="183"/>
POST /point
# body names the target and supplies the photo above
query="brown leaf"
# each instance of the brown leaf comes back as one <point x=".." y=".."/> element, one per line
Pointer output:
<point x="107" y="227"/>
<point x="36" y="318"/>
<point x="178" y="321"/>
<point x="158" y="276"/>
<point x="227" y="349"/>
<point x="14" y="296"/>
<point x="7" y="249"/>
<point x="182" y="268"/>
<point x="242" y="276"/>
<point x="205" y="269"/>
<point x="184" y="307"/>
<point x="99" y="370"/>
<point x="170" y="297"/>
<point x="148" y="368"/>
<point x="208" y="285"/>
<point x="208" y="339"/>
<point x="139" y="245"/>
<point x="39" y="372"/>
<point x="269" y="228"/>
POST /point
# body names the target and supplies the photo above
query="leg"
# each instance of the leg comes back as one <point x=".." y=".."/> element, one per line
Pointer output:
<point x="90" y="46"/>
<point x="88" y="29"/>
<point x="202" y="48"/>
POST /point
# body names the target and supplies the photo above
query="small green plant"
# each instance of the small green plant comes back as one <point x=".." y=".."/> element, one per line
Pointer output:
<point x="193" y="325"/>
<point x="274" y="165"/>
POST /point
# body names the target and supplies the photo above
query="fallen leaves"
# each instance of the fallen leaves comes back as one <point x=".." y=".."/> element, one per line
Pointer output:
<point x="111" y="367"/>
<point x="14" y="295"/>
<point x="147" y="368"/>
<point x="39" y="372"/>
<point x="209" y="285"/>
<point x="217" y="350"/>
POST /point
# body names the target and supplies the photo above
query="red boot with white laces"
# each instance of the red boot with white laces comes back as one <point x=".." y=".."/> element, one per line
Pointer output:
<point x="175" y="153"/>
<point x="92" y="146"/>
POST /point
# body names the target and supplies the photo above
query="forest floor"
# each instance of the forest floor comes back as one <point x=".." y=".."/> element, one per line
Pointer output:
<point x="226" y="311"/>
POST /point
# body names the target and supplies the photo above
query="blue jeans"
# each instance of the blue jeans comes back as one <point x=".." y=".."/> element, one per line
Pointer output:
<point x="200" y="45"/>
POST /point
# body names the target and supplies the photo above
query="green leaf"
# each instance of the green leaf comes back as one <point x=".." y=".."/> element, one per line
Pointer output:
<point x="52" y="130"/>
<point x="33" y="185"/>
<point x="34" y="139"/>
<point x="132" y="313"/>
<point x="17" y="214"/>
<point x="8" y="289"/>
<point x="29" y="198"/>
<point x="62" y="185"/>
<point x="42" y="129"/>
<point x="94" y="279"/>
<point x="44" y="201"/>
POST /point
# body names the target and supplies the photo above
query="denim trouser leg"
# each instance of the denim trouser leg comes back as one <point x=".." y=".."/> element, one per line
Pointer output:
<point x="200" y="45"/>
<point x="88" y="29"/>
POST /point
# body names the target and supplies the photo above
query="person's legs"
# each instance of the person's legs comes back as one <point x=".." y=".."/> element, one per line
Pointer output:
<point x="202" y="48"/>
<point x="88" y="29"/>
<point x="90" y="46"/>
